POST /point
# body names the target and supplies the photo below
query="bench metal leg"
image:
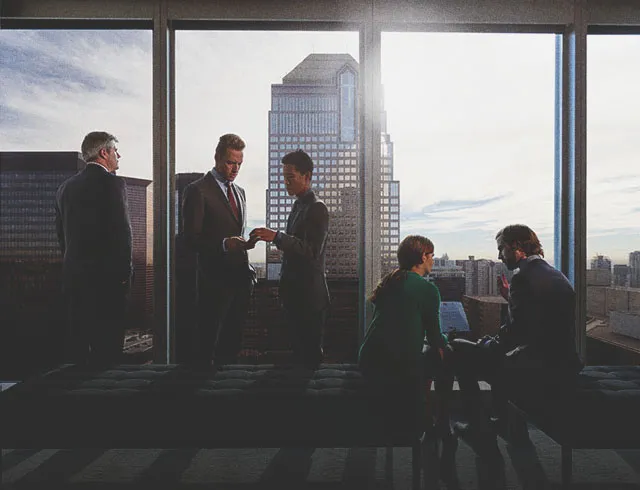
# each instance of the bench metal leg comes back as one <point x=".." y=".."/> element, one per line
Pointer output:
<point x="416" y="464"/>
<point x="567" y="466"/>
<point x="388" y="466"/>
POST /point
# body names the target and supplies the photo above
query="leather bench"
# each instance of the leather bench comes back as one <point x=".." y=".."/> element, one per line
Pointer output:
<point x="601" y="413"/>
<point x="169" y="406"/>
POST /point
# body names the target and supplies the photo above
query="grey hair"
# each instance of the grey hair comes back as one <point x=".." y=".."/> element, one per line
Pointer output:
<point x="96" y="141"/>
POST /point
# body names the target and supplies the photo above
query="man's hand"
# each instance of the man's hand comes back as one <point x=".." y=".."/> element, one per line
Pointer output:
<point x="234" y="243"/>
<point x="251" y="243"/>
<point x="503" y="286"/>
<point x="264" y="234"/>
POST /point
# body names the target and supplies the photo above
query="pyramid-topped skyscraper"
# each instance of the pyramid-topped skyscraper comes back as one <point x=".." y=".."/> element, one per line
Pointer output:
<point x="316" y="109"/>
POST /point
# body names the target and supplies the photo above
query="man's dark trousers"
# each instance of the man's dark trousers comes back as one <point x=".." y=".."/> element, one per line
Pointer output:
<point x="96" y="323"/>
<point x="306" y="328"/>
<point x="223" y="308"/>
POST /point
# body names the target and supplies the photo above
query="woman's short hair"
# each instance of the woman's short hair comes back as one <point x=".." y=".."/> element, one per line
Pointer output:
<point x="411" y="249"/>
<point x="520" y="237"/>
<point x="410" y="252"/>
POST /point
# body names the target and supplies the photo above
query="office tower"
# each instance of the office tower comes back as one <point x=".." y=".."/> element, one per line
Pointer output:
<point x="140" y="203"/>
<point x="32" y="305"/>
<point x="485" y="314"/>
<point x="449" y="277"/>
<point x="316" y="109"/>
<point x="634" y="265"/>
<point x="480" y="276"/>
<point x="600" y="270"/>
<point x="601" y="262"/>
<point x="31" y="299"/>
<point x="182" y="181"/>
<point x="487" y="285"/>
<point x="621" y="275"/>
<point x="185" y="278"/>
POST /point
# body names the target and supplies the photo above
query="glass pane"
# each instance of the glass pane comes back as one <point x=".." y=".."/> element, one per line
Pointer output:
<point x="470" y="118"/>
<point x="613" y="213"/>
<point x="57" y="86"/>
<point x="278" y="91"/>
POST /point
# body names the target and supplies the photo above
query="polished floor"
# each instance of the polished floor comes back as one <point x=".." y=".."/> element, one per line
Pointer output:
<point x="534" y="466"/>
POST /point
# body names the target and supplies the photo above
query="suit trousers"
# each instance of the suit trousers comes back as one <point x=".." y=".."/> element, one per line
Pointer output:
<point x="474" y="362"/>
<point x="96" y="323"/>
<point x="222" y="311"/>
<point x="306" y="329"/>
<point x="510" y="376"/>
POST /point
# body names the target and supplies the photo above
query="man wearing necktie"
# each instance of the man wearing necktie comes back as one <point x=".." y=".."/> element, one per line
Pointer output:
<point x="303" y="283"/>
<point x="214" y="218"/>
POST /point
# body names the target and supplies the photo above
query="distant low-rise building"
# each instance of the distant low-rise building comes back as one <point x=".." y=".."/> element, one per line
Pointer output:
<point x="484" y="313"/>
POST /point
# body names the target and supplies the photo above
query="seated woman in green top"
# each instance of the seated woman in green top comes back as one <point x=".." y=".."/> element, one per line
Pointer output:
<point x="406" y="309"/>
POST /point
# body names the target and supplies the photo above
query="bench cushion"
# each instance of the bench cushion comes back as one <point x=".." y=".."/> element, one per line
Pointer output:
<point x="601" y="413"/>
<point x="238" y="406"/>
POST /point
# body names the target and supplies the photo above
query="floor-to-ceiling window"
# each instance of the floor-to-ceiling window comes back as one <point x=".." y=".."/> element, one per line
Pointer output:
<point x="279" y="91"/>
<point x="470" y="120"/>
<point x="57" y="86"/>
<point x="613" y="205"/>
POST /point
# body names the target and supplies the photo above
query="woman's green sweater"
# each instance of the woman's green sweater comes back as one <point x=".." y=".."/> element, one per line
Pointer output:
<point x="401" y="319"/>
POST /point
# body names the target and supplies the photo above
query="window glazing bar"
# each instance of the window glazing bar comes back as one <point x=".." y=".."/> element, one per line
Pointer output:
<point x="162" y="195"/>
<point x="371" y="88"/>
<point x="573" y="219"/>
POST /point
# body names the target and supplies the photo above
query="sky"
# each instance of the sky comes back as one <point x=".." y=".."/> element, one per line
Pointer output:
<point x="470" y="117"/>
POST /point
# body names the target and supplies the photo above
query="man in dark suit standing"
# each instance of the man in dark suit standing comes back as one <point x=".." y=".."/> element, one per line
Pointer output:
<point x="535" y="349"/>
<point x="303" y="284"/>
<point x="214" y="217"/>
<point x="94" y="231"/>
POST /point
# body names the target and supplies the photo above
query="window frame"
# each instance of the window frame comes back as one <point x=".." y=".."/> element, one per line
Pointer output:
<point x="571" y="20"/>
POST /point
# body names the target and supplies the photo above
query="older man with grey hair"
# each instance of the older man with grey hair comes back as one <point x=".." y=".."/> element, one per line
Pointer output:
<point x="94" y="231"/>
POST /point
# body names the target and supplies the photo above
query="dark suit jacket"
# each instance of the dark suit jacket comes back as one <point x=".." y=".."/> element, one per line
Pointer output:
<point x="303" y="281"/>
<point x="207" y="221"/>
<point x="541" y="320"/>
<point x="93" y="227"/>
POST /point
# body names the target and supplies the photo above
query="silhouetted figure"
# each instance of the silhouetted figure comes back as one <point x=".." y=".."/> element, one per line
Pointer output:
<point x="214" y="216"/>
<point x="534" y="351"/>
<point x="94" y="231"/>
<point x="406" y="310"/>
<point x="303" y="283"/>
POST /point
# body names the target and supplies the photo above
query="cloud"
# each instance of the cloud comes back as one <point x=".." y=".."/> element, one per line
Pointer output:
<point x="59" y="85"/>
<point x="473" y="135"/>
<point x="458" y="205"/>
<point x="615" y="179"/>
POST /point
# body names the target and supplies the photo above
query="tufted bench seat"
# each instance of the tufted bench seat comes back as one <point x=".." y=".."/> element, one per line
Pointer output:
<point x="601" y="413"/>
<point x="168" y="406"/>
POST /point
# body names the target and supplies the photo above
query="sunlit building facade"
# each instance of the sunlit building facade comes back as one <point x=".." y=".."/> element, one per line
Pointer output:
<point x="315" y="108"/>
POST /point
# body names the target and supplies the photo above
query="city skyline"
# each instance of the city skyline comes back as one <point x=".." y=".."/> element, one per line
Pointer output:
<point x="448" y="102"/>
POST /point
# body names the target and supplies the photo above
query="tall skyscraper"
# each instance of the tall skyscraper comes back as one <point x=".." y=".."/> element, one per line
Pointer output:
<point x="634" y="265"/>
<point x="140" y="203"/>
<point x="33" y="311"/>
<point x="30" y="261"/>
<point x="316" y="109"/>
<point x="621" y="275"/>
